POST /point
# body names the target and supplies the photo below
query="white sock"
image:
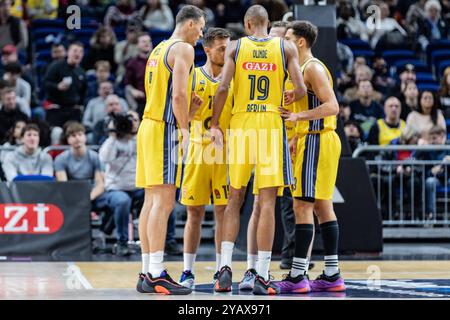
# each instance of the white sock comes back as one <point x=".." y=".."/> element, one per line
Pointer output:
<point x="189" y="260"/>
<point x="299" y="266"/>
<point x="331" y="265"/>
<point x="264" y="264"/>
<point x="308" y="260"/>
<point x="251" y="261"/>
<point x="156" y="263"/>
<point x="227" y="253"/>
<point x="145" y="262"/>
<point x="218" y="261"/>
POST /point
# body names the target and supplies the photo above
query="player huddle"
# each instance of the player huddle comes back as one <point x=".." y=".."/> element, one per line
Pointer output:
<point x="261" y="106"/>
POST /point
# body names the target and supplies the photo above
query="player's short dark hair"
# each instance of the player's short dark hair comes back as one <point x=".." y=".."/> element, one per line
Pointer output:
<point x="13" y="67"/>
<point x="280" y="24"/>
<point x="30" y="127"/>
<point x="189" y="12"/>
<point x="213" y="34"/>
<point x="306" y="30"/>
<point x="258" y="14"/>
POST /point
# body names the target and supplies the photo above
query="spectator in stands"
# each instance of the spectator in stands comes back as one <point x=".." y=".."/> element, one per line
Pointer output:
<point x="102" y="74"/>
<point x="42" y="9"/>
<point x="81" y="163"/>
<point x="210" y="18"/>
<point x="230" y="13"/>
<point x="362" y="73"/>
<point x="22" y="104"/>
<point x="9" y="111"/>
<point x="157" y="15"/>
<point x="120" y="13"/>
<point x="433" y="27"/>
<point x="344" y="111"/>
<point x="13" y="137"/>
<point x="28" y="159"/>
<point x="416" y="12"/>
<point x="444" y="92"/>
<point x="113" y="107"/>
<point x="390" y="128"/>
<point x="96" y="109"/>
<point x="101" y="48"/>
<point x="345" y="58"/>
<point x="347" y="26"/>
<point x="348" y="79"/>
<point x="435" y="176"/>
<point x="127" y="49"/>
<point x="12" y="30"/>
<point x="12" y="76"/>
<point x="382" y="81"/>
<point x="406" y="73"/>
<point x="354" y="134"/>
<point x="275" y="8"/>
<point x="365" y="110"/>
<point x="135" y="74"/>
<point x="427" y="116"/>
<point x="385" y="26"/>
<point x="13" y="140"/>
<point x="118" y="154"/>
<point x="409" y="99"/>
<point x="58" y="52"/>
<point x="65" y="87"/>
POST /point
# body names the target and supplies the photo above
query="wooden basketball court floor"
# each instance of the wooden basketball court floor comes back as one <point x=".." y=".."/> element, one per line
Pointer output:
<point x="117" y="280"/>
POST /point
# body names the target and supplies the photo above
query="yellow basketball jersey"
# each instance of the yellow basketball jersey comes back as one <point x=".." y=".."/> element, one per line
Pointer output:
<point x="387" y="134"/>
<point x="260" y="75"/>
<point x="310" y="101"/>
<point x="158" y="84"/>
<point x="206" y="86"/>
<point x="290" y="126"/>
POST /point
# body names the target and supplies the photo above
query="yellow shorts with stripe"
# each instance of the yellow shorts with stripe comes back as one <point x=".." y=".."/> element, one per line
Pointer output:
<point x="204" y="178"/>
<point x="316" y="166"/>
<point x="158" y="154"/>
<point x="258" y="141"/>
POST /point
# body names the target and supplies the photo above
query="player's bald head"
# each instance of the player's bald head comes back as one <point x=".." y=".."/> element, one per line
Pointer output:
<point x="257" y="16"/>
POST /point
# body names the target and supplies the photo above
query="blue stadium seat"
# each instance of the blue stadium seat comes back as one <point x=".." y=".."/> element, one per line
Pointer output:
<point x="44" y="56"/>
<point x="438" y="56"/>
<point x="391" y="56"/>
<point x="43" y="32"/>
<point x="419" y="65"/>
<point x="425" y="77"/>
<point x="441" y="67"/>
<point x="428" y="86"/>
<point x="368" y="54"/>
<point x="356" y="44"/>
<point x="35" y="177"/>
<point x="47" y="23"/>
<point x="160" y="33"/>
<point x="437" y="45"/>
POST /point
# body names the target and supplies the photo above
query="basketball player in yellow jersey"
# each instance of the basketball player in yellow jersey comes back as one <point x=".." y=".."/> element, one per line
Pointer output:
<point x="204" y="175"/>
<point x="168" y="85"/>
<point x="257" y="137"/>
<point x="315" y="169"/>
<point x="278" y="29"/>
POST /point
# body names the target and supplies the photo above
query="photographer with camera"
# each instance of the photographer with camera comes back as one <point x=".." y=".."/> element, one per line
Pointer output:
<point x="118" y="154"/>
<point x="100" y="130"/>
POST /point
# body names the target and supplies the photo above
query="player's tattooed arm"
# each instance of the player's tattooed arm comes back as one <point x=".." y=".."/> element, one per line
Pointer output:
<point x="222" y="93"/>
<point x="293" y="66"/>
<point x="317" y="78"/>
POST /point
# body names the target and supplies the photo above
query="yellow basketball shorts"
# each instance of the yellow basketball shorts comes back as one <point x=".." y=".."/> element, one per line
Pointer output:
<point x="158" y="154"/>
<point x="258" y="141"/>
<point x="203" y="178"/>
<point x="316" y="166"/>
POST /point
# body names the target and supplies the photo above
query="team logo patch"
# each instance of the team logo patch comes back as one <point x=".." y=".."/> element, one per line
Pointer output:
<point x="203" y="82"/>
<point x="259" y="66"/>
<point x="217" y="193"/>
<point x="152" y="63"/>
<point x="191" y="198"/>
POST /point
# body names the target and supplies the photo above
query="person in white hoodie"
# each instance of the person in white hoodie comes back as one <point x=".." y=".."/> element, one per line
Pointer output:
<point x="28" y="159"/>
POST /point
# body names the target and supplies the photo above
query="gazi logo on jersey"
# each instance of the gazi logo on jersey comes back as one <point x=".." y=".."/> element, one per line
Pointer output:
<point x="259" y="66"/>
<point x="30" y="218"/>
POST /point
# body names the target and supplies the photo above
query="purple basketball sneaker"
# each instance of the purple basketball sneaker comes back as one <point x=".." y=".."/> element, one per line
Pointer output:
<point x="299" y="284"/>
<point x="324" y="283"/>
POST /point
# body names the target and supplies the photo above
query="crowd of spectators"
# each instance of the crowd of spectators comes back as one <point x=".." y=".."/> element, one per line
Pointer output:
<point x="82" y="85"/>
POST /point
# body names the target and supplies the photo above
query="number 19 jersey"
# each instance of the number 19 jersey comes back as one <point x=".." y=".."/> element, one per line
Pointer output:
<point x="260" y="75"/>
